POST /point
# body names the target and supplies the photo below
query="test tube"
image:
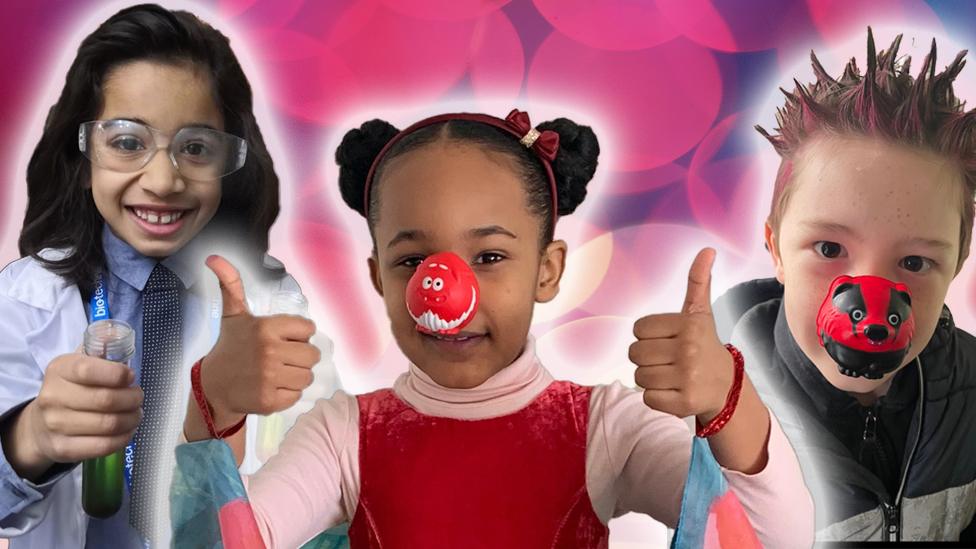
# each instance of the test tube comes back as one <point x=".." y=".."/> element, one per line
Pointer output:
<point x="101" y="484"/>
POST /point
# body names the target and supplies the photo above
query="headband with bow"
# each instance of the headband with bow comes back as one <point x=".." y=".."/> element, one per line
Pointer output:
<point x="544" y="143"/>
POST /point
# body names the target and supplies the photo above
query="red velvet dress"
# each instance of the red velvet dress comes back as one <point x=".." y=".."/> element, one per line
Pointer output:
<point x="514" y="481"/>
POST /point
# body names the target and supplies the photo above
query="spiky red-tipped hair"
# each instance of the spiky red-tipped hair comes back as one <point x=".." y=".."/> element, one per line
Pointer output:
<point x="885" y="102"/>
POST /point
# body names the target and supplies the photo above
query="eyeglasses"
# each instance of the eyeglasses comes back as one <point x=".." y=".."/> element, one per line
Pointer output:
<point x="199" y="154"/>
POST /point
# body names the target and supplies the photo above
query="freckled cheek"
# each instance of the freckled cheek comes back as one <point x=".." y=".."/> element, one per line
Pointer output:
<point x="805" y="292"/>
<point x="801" y="310"/>
<point x="807" y="286"/>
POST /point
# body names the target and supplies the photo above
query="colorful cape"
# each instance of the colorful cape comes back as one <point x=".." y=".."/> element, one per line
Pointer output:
<point x="711" y="515"/>
<point x="209" y="507"/>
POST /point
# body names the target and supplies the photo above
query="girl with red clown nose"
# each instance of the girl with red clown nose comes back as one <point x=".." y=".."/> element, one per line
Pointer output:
<point x="476" y="445"/>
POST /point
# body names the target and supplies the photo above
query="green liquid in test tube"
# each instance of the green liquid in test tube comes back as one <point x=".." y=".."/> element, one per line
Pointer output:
<point x="102" y="477"/>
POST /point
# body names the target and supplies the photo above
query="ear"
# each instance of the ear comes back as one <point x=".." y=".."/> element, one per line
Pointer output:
<point x="770" y="237"/>
<point x="551" y="267"/>
<point x="374" y="274"/>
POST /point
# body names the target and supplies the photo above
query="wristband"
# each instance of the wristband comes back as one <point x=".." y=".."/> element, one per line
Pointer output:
<point x="204" y="406"/>
<point x="731" y="401"/>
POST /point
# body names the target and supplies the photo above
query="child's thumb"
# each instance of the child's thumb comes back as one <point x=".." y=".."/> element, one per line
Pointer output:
<point x="231" y="287"/>
<point x="698" y="298"/>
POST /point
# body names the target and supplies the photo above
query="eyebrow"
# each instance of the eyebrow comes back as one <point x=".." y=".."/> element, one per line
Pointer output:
<point x="936" y="243"/>
<point x="490" y="230"/>
<point x="828" y="226"/>
<point x="413" y="235"/>
<point x="406" y="236"/>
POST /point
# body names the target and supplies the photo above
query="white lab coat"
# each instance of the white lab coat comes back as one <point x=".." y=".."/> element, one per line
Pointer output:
<point x="42" y="317"/>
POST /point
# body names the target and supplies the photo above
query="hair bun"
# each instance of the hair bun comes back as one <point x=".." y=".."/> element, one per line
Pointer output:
<point x="575" y="162"/>
<point x="355" y="154"/>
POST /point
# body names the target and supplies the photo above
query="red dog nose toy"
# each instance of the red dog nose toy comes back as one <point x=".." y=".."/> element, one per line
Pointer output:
<point x="442" y="295"/>
<point x="866" y="325"/>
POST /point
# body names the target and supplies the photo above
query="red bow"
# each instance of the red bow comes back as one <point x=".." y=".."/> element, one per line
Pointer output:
<point x="546" y="145"/>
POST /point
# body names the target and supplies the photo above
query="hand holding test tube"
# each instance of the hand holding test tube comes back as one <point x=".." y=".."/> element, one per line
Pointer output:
<point x="101" y="488"/>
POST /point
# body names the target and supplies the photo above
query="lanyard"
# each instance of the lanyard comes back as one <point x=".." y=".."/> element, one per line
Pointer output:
<point x="100" y="311"/>
<point x="99" y="302"/>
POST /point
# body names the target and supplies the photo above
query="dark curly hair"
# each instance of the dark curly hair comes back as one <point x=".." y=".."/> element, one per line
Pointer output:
<point x="573" y="167"/>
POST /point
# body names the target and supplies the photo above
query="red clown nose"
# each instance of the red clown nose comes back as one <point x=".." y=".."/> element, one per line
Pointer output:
<point x="866" y="325"/>
<point x="442" y="295"/>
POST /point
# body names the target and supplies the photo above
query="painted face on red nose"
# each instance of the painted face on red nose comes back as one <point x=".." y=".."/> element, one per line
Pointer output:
<point x="442" y="295"/>
<point x="866" y="325"/>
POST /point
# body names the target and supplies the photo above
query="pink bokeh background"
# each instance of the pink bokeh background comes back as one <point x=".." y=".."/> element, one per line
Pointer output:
<point x="672" y="88"/>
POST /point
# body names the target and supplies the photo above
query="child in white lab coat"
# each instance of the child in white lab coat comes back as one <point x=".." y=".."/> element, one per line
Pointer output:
<point x="150" y="159"/>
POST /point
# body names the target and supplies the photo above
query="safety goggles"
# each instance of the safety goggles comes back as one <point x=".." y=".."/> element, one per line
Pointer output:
<point x="125" y="146"/>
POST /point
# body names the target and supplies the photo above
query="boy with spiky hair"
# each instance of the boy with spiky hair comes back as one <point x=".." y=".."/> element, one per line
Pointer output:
<point x="877" y="177"/>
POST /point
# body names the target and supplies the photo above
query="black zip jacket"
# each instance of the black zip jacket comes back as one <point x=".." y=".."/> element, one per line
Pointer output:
<point x="902" y="469"/>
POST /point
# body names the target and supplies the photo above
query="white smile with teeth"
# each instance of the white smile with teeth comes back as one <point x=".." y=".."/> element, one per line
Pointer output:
<point x="157" y="218"/>
<point x="434" y="323"/>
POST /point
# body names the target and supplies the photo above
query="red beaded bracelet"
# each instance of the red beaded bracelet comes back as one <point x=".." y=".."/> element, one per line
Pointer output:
<point x="731" y="401"/>
<point x="204" y="406"/>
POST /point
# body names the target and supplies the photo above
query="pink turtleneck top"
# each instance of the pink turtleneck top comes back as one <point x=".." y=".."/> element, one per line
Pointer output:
<point x="636" y="459"/>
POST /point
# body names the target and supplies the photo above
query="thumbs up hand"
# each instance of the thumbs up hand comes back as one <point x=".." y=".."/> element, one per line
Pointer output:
<point x="259" y="364"/>
<point x="682" y="366"/>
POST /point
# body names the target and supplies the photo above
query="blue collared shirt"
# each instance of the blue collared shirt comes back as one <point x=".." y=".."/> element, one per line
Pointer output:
<point x="128" y="272"/>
